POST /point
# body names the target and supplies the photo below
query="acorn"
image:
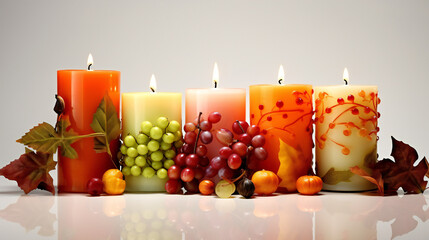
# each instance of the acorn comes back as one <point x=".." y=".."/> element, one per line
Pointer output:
<point x="246" y="188"/>
<point x="59" y="105"/>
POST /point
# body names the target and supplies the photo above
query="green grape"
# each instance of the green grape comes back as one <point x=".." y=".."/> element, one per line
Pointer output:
<point x="140" y="161"/>
<point x="168" y="138"/>
<point x="178" y="144"/>
<point x="174" y="126"/>
<point x="148" y="172"/>
<point x="129" y="161"/>
<point x="124" y="149"/>
<point x="165" y="146"/>
<point x="177" y="135"/>
<point x="146" y="126"/>
<point x="156" y="133"/>
<point x="142" y="149"/>
<point x="129" y="141"/>
<point x="157" y="165"/>
<point x="161" y="173"/>
<point x="156" y="156"/>
<point x="136" y="171"/>
<point x="224" y="189"/>
<point x="126" y="171"/>
<point x="168" y="163"/>
<point x="170" y="154"/>
<point x="162" y="122"/>
<point x="153" y="145"/>
<point x="142" y="138"/>
<point x="132" y="152"/>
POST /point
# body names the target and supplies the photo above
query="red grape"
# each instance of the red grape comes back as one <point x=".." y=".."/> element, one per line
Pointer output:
<point x="201" y="150"/>
<point x="187" y="174"/>
<point x="187" y="148"/>
<point x="192" y="186"/>
<point x="236" y="127"/>
<point x="174" y="172"/>
<point x="224" y="136"/>
<point x="225" y="173"/>
<point x="252" y="162"/>
<point x="240" y="148"/>
<point x="218" y="163"/>
<point x="206" y="137"/>
<point x="234" y="161"/>
<point x="258" y="141"/>
<point x="214" y="117"/>
<point x="173" y="186"/>
<point x="95" y="186"/>
<point x="224" y="152"/>
<point x="204" y="161"/>
<point x="180" y="160"/>
<point x="195" y="122"/>
<point x="253" y="130"/>
<point x="210" y="172"/>
<point x="189" y="127"/>
<point x="245" y="138"/>
<point x="190" y="137"/>
<point x="199" y="173"/>
<point x="206" y="125"/>
<point x="260" y="153"/>
<point x="192" y="160"/>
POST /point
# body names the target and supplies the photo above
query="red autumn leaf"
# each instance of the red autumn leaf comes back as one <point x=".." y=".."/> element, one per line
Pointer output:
<point x="375" y="177"/>
<point x="31" y="171"/>
<point x="400" y="173"/>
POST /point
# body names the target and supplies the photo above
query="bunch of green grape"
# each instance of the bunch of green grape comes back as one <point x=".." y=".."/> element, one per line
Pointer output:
<point x="152" y="151"/>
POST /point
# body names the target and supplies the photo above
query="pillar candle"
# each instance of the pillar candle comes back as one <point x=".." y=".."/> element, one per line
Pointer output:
<point x="148" y="106"/>
<point x="82" y="91"/>
<point x="284" y="115"/>
<point x="230" y="103"/>
<point x="346" y="135"/>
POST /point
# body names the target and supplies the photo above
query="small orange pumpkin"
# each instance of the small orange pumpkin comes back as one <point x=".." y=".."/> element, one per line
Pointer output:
<point x="266" y="182"/>
<point x="309" y="185"/>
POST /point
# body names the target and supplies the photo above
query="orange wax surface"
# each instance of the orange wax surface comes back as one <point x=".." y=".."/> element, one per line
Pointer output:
<point x="82" y="92"/>
<point x="284" y="115"/>
<point x="231" y="103"/>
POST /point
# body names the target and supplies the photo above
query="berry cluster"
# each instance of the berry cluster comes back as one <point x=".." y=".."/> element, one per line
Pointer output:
<point x="152" y="151"/>
<point x="190" y="164"/>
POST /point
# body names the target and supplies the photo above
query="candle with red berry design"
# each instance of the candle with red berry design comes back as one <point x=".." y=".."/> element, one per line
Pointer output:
<point x="346" y="134"/>
<point x="284" y="116"/>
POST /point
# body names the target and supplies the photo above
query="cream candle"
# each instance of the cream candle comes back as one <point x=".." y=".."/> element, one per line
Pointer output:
<point x="148" y="106"/>
<point x="230" y="103"/>
<point x="346" y="134"/>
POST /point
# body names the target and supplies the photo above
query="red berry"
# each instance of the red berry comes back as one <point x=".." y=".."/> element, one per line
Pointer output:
<point x="206" y="125"/>
<point x="174" y="172"/>
<point x="299" y="101"/>
<point x="269" y="118"/>
<point x="187" y="174"/>
<point x="261" y="107"/>
<point x="258" y="141"/>
<point x="351" y="98"/>
<point x="279" y="103"/>
<point x="95" y="186"/>
<point x="328" y="110"/>
<point x="239" y="148"/>
<point x="253" y="130"/>
<point x="245" y="138"/>
<point x="214" y="117"/>
<point x="340" y="101"/>
<point x="225" y="152"/>
<point x="180" y="160"/>
<point x="192" y="160"/>
<point x="355" y="111"/>
<point x="234" y="161"/>
<point x="173" y="186"/>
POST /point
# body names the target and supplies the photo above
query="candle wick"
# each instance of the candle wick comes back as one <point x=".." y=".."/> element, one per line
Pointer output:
<point x="215" y="86"/>
<point x="89" y="66"/>
<point x="153" y="90"/>
<point x="345" y="82"/>
<point x="280" y="81"/>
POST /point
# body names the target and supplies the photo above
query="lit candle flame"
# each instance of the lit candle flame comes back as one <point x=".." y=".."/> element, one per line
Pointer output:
<point x="281" y="74"/>
<point x="152" y="83"/>
<point x="215" y="75"/>
<point x="346" y="76"/>
<point x="90" y="62"/>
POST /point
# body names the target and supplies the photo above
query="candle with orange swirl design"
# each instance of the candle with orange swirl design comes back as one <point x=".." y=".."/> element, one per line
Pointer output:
<point x="346" y="134"/>
<point x="284" y="113"/>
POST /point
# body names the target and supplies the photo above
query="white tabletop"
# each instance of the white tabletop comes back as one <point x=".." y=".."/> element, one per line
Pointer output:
<point x="329" y="215"/>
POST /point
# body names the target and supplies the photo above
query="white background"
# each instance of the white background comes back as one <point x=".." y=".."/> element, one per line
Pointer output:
<point x="384" y="43"/>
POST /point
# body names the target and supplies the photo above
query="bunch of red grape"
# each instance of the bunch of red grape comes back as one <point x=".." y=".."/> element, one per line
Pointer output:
<point x="190" y="164"/>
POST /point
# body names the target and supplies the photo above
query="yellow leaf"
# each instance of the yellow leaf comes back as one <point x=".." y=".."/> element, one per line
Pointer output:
<point x="292" y="165"/>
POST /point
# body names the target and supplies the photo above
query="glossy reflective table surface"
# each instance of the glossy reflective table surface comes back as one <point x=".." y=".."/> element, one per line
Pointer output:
<point x="40" y="215"/>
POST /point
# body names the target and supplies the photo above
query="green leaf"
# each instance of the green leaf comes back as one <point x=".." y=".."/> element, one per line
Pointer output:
<point x="44" y="138"/>
<point x="333" y="177"/>
<point x="105" y="121"/>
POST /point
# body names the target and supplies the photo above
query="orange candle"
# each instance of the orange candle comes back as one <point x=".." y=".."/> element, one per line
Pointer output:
<point x="284" y="115"/>
<point x="82" y="91"/>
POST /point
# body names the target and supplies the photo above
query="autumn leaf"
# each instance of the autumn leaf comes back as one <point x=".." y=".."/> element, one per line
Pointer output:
<point x="105" y="121"/>
<point x="375" y="177"/>
<point x="334" y="177"/>
<point x="400" y="173"/>
<point x="31" y="171"/>
<point x="44" y="138"/>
